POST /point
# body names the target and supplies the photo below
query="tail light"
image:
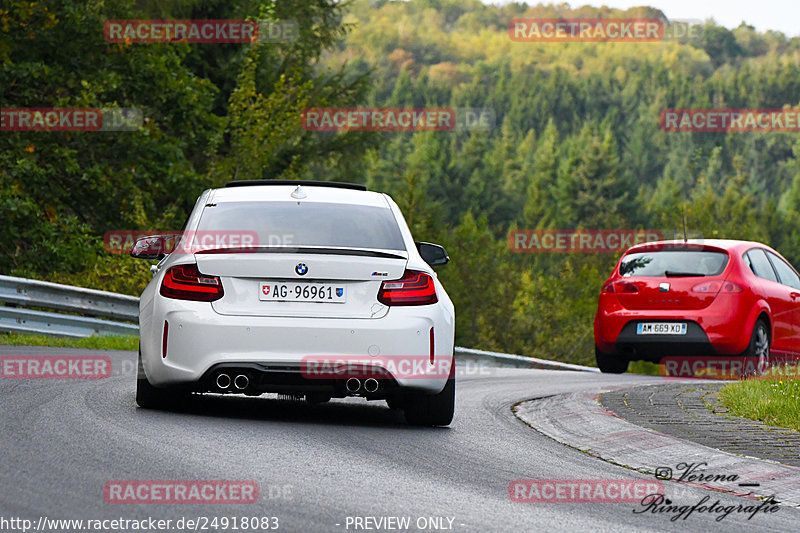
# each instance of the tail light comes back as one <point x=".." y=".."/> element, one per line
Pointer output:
<point x="185" y="282"/>
<point x="713" y="287"/>
<point x="414" y="288"/>
<point x="620" y="287"/>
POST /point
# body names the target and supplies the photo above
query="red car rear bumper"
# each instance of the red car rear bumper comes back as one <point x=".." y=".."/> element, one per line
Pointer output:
<point x="724" y="327"/>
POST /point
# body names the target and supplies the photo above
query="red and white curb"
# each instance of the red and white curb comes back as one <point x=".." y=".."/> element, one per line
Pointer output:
<point x="579" y="421"/>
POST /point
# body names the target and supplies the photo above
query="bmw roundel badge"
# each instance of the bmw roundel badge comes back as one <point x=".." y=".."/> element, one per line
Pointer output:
<point x="301" y="269"/>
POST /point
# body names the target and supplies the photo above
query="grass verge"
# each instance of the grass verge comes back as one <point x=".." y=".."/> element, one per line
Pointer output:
<point x="111" y="342"/>
<point x="774" y="401"/>
<point x="644" y="367"/>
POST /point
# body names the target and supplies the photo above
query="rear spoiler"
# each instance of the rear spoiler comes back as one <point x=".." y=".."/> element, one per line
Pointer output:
<point x="674" y="246"/>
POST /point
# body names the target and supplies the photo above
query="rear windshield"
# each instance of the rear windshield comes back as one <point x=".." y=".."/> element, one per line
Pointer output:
<point x="307" y="224"/>
<point x="665" y="263"/>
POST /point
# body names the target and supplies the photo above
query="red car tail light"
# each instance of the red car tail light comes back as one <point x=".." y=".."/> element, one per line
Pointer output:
<point x="621" y="287"/>
<point x="716" y="286"/>
<point x="414" y="288"/>
<point x="185" y="282"/>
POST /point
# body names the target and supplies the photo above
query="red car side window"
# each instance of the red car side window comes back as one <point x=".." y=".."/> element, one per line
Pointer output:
<point x="786" y="273"/>
<point x="761" y="265"/>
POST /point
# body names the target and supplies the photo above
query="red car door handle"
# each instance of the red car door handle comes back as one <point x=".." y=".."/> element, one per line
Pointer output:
<point x="794" y="295"/>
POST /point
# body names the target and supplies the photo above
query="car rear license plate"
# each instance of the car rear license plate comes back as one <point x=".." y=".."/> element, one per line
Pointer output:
<point x="661" y="328"/>
<point x="302" y="292"/>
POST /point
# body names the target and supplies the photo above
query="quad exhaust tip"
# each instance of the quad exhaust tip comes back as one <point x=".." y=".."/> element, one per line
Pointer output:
<point x="371" y="385"/>
<point x="353" y="385"/>
<point x="223" y="381"/>
<point x="241" y="382"/>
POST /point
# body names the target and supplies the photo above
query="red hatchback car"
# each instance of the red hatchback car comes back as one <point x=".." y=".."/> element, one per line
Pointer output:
<point x="699" y="297"/>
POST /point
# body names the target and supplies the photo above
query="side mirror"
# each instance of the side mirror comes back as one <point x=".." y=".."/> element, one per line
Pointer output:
<point x="154" y="247"/>
<point x="433" y="254"/>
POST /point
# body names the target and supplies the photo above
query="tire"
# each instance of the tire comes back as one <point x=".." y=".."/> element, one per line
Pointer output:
<point x="756" y="358"/>
<point x="150" y="397"/>
<point x="610" y="364"/>
<point x="432" y="409"/>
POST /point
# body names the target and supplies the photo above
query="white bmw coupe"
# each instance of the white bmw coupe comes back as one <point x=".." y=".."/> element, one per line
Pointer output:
<point x="308" y="289"/>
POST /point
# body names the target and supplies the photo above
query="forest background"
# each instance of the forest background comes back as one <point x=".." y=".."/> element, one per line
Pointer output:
<point x="576" y="143"/>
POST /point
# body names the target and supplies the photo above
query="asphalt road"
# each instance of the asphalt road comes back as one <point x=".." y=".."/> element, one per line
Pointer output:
<point x="62" y="440"/>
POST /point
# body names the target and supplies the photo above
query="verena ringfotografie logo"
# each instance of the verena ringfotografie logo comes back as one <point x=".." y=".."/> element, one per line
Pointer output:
<point x="177" y="492"/>
<point x="200" y="31"/>
<point x="580" y="240"/>
<point x="700" y="120"/>
<point x="582" y="490"/>
<point x="189" y="242"/>
<point x="376" y="367"/>
<point x="397" y="119"/>
<point x="696" y="473"/>
<point x="70" y="119"/>
<point x="56" y="367"/>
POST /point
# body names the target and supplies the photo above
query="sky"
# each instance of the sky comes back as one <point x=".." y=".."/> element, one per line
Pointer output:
<point x="780" y="15"/>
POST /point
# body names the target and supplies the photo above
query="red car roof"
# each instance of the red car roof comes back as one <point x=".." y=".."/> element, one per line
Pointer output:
<point x="719" y="244"/>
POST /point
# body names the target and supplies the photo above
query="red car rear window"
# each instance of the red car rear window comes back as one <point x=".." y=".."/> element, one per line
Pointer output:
<point x="671" y="263"/>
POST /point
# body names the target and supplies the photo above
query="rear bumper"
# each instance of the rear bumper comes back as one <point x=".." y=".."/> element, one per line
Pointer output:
<point x="199" y="340"/>
<point x="723" y="327"/>
<point x="265" y="378"/>
<point x="654" y="347"/>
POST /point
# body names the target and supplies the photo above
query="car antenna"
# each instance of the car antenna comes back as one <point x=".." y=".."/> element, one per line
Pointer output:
<point x="299" y="193"/>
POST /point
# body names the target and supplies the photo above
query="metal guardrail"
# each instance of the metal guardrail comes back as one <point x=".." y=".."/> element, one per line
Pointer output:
<point x="34" y="293"/>
<point x="85" y="305"/>
<point x="19" y="320"/>
<point x="508" y="360"/>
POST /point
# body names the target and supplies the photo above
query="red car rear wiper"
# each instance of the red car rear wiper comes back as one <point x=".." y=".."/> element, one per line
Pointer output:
<point x="674" y="274"/>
